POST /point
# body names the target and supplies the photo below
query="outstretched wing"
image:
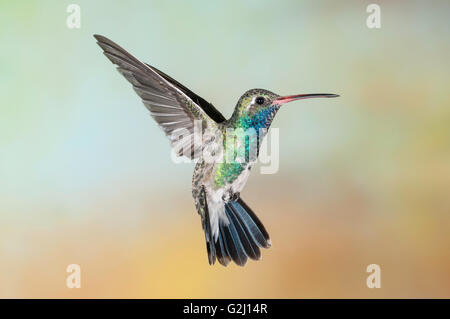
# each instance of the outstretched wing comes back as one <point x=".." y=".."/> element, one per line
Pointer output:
<point x="172" y="105"/>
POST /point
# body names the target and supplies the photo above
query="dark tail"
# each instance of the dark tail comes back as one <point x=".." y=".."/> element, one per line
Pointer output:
<point x="239" y="239"/>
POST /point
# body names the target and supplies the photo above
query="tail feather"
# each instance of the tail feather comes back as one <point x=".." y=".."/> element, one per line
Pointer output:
<point x="250" y="247"/>
<point x="240" y="235"/>
<point x="235" y="249"/>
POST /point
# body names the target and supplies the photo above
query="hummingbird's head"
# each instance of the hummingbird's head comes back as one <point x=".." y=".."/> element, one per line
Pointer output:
<point x="257" y="107"/>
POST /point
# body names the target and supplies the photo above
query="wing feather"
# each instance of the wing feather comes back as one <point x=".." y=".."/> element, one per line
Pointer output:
<point x="173" y="106"/>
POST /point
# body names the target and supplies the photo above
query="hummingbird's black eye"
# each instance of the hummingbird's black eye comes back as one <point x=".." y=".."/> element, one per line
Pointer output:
<point x="260" y="100"/>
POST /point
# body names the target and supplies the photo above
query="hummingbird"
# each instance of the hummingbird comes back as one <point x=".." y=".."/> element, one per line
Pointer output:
<point x="232" y="230"/>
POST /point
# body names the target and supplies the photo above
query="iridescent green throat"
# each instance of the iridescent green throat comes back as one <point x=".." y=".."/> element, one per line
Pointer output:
<point x="248" y="130"/>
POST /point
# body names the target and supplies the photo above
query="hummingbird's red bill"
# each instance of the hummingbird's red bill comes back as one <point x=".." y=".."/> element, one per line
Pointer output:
<point x="289" y="98"/>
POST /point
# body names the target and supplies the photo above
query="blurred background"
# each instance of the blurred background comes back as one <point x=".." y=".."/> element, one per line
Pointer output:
<point x="86" y="176"/>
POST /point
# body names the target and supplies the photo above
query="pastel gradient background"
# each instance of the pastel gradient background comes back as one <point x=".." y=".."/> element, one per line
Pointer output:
<point x="86" y="175"/>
